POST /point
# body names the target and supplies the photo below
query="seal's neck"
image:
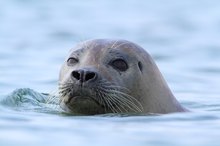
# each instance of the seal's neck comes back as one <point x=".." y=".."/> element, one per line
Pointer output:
<point x="159" y="98"/>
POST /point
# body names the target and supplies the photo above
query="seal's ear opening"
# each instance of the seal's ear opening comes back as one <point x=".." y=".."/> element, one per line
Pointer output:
<point x="140" y="66"/>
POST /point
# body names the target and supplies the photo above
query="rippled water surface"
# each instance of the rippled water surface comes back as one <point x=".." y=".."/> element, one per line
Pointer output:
<point x="182" y="36"/>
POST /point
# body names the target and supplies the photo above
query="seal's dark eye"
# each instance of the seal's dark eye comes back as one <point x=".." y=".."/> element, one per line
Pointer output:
<point x="72" y="61"/>
<point x="119" y="64"/>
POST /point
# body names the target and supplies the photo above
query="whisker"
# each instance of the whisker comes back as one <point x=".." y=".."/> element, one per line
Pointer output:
<point x="131" y="100"/>
<point x="125" y="102"/>
<point x="119" y="98"/>
<point x="118" y="103"/>
<point x="109" y="104"/>
<point x="121" y="45"/>
<point x="114" y="44"/>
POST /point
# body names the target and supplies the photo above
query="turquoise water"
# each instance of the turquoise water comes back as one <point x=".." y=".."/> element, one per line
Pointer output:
<point x="182" y="36"/>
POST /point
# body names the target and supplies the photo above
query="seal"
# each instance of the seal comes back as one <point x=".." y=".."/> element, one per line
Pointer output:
<point x="113" y="76"/>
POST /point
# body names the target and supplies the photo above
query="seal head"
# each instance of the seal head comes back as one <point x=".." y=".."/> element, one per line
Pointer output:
<point x="113" y="76"/>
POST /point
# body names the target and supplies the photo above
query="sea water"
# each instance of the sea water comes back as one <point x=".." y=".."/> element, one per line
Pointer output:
<point x="183" y="37"/>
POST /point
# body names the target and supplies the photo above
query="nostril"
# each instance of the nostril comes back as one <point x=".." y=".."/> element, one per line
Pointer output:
<point x="76" y="75"/>
<point x="89" y="76"/>
<point x="83" y="75"/>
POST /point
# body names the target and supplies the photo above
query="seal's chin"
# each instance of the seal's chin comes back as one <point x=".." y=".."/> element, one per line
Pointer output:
<point x="82" y="105"/>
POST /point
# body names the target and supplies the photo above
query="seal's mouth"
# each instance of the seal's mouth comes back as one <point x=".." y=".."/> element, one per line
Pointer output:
<point x="82" y="102"/>
<point x="78" y="99"/>
<point x="82" y="94"/>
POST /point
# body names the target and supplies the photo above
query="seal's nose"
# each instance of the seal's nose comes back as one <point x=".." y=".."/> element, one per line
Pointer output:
<point x="84" y="75"/>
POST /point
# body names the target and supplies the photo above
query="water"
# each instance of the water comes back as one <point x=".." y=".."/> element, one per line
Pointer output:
<point x="182" y="36"/>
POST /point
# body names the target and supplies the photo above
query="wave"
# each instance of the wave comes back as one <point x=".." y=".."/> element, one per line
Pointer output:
<point x="24" y="99"/>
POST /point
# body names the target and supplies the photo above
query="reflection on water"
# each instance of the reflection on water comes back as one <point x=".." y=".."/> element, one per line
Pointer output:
<point x="182" y="36"/>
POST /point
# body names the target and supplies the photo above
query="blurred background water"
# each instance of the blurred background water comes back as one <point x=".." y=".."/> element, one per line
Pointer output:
<point x="182" y="36"/>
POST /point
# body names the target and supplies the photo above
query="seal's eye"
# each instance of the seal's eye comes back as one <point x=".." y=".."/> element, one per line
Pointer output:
<point x="119" y="64"/>
<point x="72" y="61"/>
